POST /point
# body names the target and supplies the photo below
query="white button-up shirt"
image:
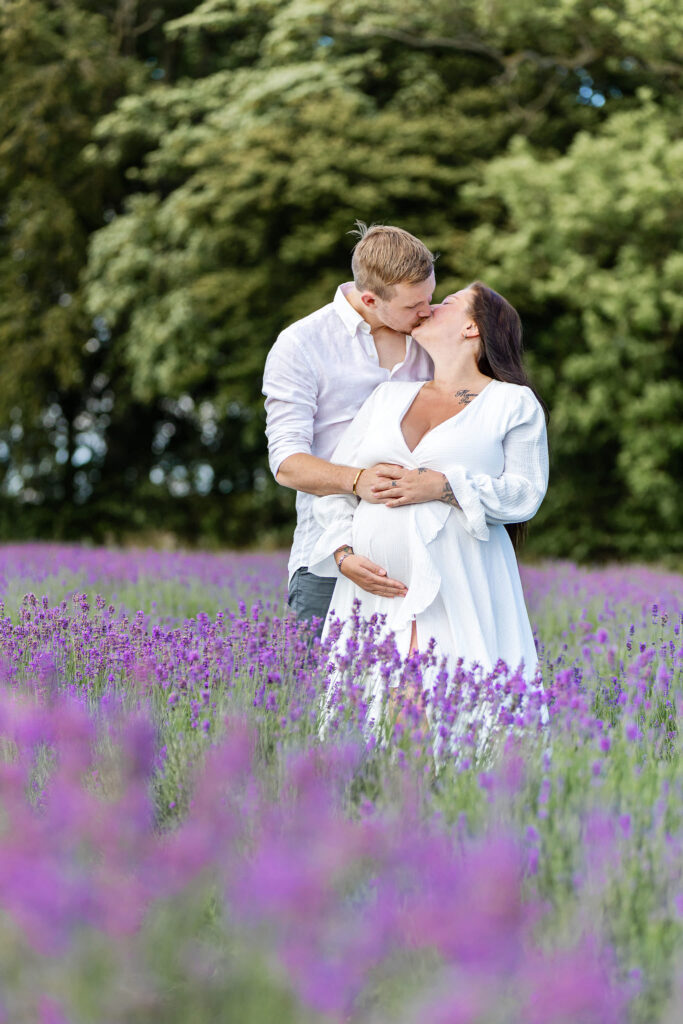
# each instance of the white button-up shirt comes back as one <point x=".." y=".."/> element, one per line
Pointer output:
<point x="318" y="374"/>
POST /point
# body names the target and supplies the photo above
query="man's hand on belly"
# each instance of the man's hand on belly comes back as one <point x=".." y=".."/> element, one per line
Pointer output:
<point x="398" y="486"/>
<point x="373" y="578"/>
<point x="371" y="478"/>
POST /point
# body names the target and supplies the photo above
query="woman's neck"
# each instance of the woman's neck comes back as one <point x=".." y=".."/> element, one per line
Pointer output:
<point x="460" y="370"/>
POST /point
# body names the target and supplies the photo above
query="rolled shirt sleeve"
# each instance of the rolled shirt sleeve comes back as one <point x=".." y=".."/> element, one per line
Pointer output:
<point x="291" y="388"/>
<point x="515" y="495"/>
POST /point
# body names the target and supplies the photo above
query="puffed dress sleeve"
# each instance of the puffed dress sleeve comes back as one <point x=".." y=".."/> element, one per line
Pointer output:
<point x="515" y="495"/>
<point x="334" y="512"/>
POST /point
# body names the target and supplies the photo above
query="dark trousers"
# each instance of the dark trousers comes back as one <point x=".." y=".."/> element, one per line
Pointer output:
<point x="310" y="595"/>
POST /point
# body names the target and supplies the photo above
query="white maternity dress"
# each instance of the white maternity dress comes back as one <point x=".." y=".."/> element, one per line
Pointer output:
<point x="459" y="565"/>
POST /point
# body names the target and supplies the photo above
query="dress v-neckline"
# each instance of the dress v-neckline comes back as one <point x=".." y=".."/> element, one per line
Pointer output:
<point x="437" y="425"/>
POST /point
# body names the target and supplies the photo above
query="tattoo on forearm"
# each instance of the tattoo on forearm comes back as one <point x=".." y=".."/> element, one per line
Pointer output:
<point x="345" y="549"/>
<point x="466" y="396"/>
<point x="448" y="496"/>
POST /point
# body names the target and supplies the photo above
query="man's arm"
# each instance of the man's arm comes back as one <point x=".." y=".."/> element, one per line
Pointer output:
<point x="291" y="388"/>
<point x="308" y="473"/>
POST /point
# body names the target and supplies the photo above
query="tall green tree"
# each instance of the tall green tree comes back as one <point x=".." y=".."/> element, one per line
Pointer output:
<point x="301" y="116"/>
<point x="593" y="238"/>
<point x="177" y="183"/>
<point x="71" y="434"/>
<point x="58" y="74"/>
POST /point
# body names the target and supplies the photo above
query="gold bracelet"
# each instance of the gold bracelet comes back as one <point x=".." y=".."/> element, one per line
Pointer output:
<point x="353" y="489"/>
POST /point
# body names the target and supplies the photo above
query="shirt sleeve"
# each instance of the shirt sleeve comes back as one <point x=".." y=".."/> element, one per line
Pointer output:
<point x="514" y="496"/>
<point x="290" y="384"/>
<point x="334" y="512"/>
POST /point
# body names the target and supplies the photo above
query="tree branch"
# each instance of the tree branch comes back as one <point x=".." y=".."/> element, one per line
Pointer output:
<point x="508" y="63"/>
<point x="465" y="44"/>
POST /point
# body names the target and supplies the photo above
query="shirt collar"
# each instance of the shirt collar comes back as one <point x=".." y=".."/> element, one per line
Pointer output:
<point x="351" y="319"/>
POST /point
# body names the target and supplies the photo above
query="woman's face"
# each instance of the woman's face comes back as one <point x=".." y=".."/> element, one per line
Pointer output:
<point x="450" y="320"/>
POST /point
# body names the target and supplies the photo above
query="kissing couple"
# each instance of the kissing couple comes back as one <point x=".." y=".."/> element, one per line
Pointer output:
<point x="418" y="451"/>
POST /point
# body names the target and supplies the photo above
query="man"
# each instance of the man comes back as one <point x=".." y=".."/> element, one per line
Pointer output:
<point x="318" y="374"/>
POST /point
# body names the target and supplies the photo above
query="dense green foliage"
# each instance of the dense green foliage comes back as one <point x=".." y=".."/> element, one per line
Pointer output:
<point x="185" y="189"/>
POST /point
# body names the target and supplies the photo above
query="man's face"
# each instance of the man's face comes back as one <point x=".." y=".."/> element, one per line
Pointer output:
<point x="408" y="306"/>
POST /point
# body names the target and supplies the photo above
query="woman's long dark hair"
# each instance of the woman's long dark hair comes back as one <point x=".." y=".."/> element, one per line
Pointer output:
<point x="500" y="330"/>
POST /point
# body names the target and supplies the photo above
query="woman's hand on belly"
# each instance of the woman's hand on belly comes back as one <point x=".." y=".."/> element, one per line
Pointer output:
<point x="398" y="486"/>
<point x="370" y="577"/>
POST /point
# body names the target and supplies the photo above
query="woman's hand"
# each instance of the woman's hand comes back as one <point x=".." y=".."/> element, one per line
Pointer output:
<point x="397" y="486"/>
<point x="368" y="576"/>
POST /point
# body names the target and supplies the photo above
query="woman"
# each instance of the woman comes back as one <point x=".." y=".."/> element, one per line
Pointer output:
<point x="479" y="432"/>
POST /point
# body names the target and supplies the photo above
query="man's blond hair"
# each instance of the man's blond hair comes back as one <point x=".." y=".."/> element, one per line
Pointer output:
<point x="385" y="256"/>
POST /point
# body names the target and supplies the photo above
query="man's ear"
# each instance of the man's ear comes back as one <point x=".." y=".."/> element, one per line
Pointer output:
<point x="368" y="299"/>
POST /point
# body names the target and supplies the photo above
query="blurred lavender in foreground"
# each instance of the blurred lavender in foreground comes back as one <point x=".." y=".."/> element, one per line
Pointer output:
<point x="197" y="824"/>
<point x="330" y="902"/>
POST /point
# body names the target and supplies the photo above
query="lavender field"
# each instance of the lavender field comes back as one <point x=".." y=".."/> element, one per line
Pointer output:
<point x="195" y="829"/>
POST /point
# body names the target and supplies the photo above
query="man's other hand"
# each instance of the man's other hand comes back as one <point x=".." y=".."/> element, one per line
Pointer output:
<point x="373" y="578"/>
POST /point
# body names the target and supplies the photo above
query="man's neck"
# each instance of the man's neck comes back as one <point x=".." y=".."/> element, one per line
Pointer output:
<point x="352" y="296"/>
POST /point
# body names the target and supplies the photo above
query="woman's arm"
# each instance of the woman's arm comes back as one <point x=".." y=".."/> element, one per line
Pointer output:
<point x="516" y="495"/>
<point x="512" y="497"/>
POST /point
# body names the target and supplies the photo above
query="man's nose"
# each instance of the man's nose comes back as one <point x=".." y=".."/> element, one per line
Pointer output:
<point x="425" y="312"/>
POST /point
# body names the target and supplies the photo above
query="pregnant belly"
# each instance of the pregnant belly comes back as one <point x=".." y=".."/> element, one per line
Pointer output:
<point x="383" y="535"/>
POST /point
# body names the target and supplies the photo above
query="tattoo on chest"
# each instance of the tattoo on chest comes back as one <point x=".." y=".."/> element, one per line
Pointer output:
<point x="466" y="396"/>
<point x="422" y="469"/>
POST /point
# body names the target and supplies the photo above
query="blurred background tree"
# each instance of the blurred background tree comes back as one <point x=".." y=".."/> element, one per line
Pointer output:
<point x="225" y="153"/>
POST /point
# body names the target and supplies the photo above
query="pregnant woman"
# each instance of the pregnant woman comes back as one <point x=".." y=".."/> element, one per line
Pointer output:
<point x="476" y="435"/>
